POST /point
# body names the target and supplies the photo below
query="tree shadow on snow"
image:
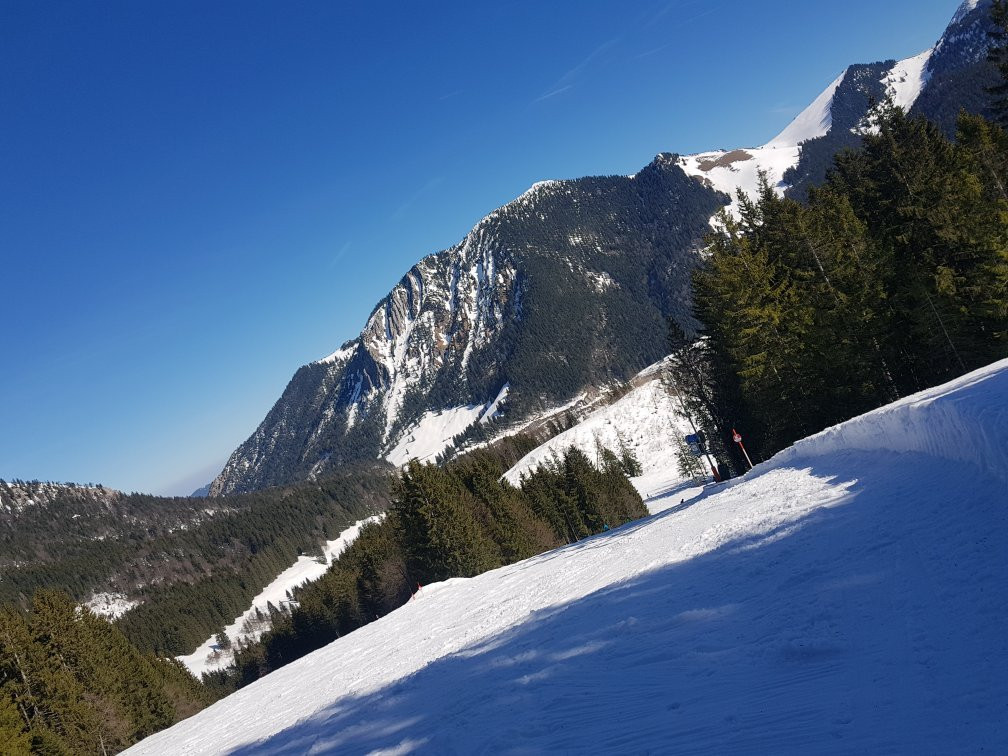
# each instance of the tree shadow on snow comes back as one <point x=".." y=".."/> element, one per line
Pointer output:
<point x="856" y="627"/>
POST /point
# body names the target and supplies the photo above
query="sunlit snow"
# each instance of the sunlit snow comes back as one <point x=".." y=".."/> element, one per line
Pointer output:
<point x="846" y="596"/>
<point x="815" y="121"/>
<point x="209" y="656"/>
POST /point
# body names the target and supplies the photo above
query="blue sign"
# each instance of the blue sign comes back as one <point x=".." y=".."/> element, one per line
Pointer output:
<point x="694" y="443"/>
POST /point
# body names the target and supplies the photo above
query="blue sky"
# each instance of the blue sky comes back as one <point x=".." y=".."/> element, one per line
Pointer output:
<point x="198" y="197"/>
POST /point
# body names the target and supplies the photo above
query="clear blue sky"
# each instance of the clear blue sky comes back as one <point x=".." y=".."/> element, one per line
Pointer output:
<point x="198" y="197"/>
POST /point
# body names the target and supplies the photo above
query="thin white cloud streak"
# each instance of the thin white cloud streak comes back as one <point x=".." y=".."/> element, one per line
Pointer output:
<point x="405" y="206"/>
<point x="339" y="255"/>
<point x="554" y="93"/>
<point x="566" y="81"/>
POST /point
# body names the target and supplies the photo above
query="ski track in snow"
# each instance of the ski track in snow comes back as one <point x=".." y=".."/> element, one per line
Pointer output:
<point x="846" y="596"/>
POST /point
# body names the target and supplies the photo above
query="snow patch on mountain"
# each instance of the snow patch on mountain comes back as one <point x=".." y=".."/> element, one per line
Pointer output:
<point x="110" y="605"/>
<point x="247" y="628"/>
<point x="906" y="79"/>
<point x="646" y="421"/>
<point x="341" y="355"/>
<point x="837" y="595"/>
<point x="967" y="7"/>
<point x="813" y="122"/>
<point x="600" y="282"/>
<point x="493" y="408"/>
<point x="432" y="433"/>
<point x="733" y="170"/>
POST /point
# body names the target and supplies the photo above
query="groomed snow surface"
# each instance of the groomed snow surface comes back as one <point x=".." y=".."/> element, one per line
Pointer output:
<point x="848" y="596"/>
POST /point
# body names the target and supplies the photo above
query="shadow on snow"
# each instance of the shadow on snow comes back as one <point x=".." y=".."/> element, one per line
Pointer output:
<point x="873" y="625"/>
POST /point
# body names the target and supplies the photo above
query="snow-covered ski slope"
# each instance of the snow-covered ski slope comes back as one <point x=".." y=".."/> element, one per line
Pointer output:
<point x="209" y="657"/>
<point x="848" y="596"/>
<point x="646" y="420"/>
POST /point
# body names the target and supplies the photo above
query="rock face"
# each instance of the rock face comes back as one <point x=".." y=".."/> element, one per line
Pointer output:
<point x="566" y="286"/>
<point x="569" y="285"/>
<point x="18" y="497"/>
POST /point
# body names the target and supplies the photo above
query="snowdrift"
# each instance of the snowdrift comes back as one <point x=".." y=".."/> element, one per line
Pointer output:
<point x="846" y="596"/>
<point x="965" y="422"/>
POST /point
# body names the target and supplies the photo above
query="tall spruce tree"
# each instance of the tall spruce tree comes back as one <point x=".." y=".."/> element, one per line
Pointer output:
<point x="998" y="55"/>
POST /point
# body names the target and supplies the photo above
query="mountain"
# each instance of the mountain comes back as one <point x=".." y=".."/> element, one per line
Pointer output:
<point x="935" y="84"/>
<point x="844" y="596"/>
<point x="567" y="287"/>
<point x="173" y="569"/>
<point x="201" y="492"/>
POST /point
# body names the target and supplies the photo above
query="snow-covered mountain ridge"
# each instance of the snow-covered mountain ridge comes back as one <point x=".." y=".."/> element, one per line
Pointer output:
<point x="845" y="105"/>
<point x="566" y="287"/>
<point x="16" y="496"/>
<point x="844" y="596"/>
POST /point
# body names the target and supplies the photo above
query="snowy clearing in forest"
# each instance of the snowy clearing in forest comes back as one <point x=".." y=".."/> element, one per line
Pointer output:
<point x="210" y="657"/>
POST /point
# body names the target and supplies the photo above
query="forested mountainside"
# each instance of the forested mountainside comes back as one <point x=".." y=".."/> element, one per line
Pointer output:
<point x="187" y="566"/>
<point x="567" y="286"/>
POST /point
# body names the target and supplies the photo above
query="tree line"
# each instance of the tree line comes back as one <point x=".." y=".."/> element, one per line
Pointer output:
<point x="70" y="682"/>
<point x="893" y="277"/>
<point x="455" y="520"/>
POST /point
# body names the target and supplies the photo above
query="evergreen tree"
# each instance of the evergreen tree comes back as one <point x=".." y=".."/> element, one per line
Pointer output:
<point x="998" y="55"/>
<point x="14" y="737"/>
<point x="892" y="278"/>
<point x="441" y="537"/>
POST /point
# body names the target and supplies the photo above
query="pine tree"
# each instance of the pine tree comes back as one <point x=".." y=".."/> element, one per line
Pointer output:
<point x="998" y="55"/>
<point x="440" y="534"/>
<point x="14" y="737"/>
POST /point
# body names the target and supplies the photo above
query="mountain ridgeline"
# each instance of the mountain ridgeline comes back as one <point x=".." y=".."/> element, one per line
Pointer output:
<point x="955" y="76"/>
<point x="567" y="286"/>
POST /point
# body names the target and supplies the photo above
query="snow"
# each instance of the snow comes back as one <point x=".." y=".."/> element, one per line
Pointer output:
<point x="434" y="431"/>
<point x="846" y="596"/>
<point x="739" y="169"/>
<point x="645" y="420"/>
<point x="906" y="79"/>
<point x="493" y="409"/>
<point x="432" y="434"/>
<point x="110" y="605"/>
<point x="728" y="171"/>
<point x="600" y="282"/>
<point x="342" y="354"/>
<point x="813" y="122"/>
<point x="964" y="10"/>
<point x="533" y="190"/>
<point x="246" y="628"/>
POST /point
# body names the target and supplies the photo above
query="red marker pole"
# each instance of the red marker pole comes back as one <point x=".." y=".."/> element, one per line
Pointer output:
<point x="737" y="438"/>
